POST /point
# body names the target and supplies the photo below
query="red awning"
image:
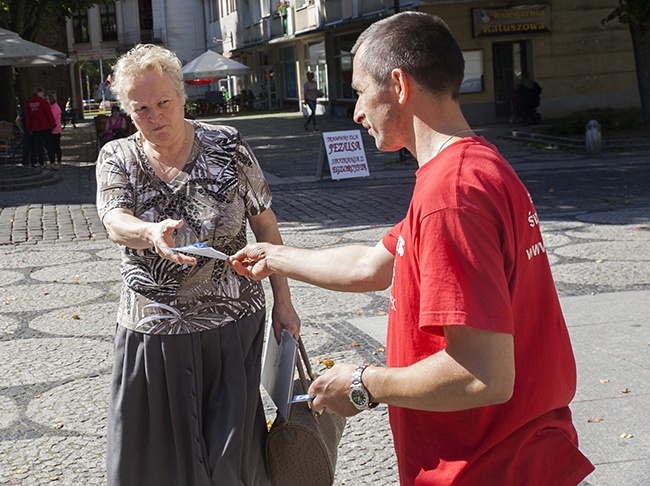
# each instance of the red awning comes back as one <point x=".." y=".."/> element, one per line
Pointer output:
<point x="201" y="81"/>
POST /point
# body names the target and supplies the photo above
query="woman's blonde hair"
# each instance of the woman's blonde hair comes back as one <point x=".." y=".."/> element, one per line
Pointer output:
<point x="141" y="58"/>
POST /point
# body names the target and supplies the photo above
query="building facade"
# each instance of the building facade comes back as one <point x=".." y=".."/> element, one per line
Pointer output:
<point x="580" y="62"/>
<point x="101" y="33"/>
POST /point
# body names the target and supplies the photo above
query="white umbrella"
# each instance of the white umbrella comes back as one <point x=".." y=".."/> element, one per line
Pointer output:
<point x="18" y="52"/>
<point x="213" y="65"/>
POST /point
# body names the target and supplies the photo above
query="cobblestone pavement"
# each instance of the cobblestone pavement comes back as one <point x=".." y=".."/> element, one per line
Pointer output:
<point x="59" y="284"/>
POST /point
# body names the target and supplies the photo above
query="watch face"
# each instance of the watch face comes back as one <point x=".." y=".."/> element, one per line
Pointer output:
<point x="359" y="398"/>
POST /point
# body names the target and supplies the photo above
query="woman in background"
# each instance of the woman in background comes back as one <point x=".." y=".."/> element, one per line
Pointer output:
<point x="311" y="94"/>
<point x="115" y="126"/>
<point x="56" y="132"/>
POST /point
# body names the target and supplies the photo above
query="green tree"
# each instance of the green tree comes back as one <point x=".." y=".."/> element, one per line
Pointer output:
<point x="636" y="15"/>
<point x="27" y="18"/>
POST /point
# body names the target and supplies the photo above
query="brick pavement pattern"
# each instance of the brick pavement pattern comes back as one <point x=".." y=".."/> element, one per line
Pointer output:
<point x="59" y="285"/>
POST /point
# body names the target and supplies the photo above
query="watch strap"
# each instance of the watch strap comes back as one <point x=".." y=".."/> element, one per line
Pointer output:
<point x="358" y="372"/>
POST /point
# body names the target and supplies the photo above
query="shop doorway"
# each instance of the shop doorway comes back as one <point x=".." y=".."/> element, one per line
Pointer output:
<point x="510" y="60"/>
<point x="268" y="88"/>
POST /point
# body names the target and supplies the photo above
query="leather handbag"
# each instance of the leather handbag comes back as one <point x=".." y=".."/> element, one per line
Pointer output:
<point x="302" y="449"/>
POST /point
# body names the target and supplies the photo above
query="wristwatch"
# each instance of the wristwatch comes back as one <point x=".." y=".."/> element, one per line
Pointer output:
<point x="358" y="393"/>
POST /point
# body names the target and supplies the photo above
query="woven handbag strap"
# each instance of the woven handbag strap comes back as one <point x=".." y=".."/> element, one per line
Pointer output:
<point x="301" y="371"/>
<point x="305" y="359"/>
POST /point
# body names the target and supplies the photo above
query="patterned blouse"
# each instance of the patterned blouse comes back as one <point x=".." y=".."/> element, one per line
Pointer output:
<point x="220" y="185"/>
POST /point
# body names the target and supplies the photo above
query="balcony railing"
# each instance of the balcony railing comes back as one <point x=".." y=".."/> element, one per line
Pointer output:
<point x="306" y="17"/>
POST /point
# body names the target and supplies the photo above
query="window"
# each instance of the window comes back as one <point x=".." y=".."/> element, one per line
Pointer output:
<point x="246" y="13"/>
<point x="80" y="26"/>
<point x="228" y="7"/>
<point x="258" y="10"/>
<point x="290" y="76"/>
<point x="343" y="46"/>
<point x="108" y="21"/>
<point x="214" y="11"/>
<point x="317" y="64"/>
<point x="473" y="80"/>
<point x="265" y="8"/>
<point x="145" y="10"/>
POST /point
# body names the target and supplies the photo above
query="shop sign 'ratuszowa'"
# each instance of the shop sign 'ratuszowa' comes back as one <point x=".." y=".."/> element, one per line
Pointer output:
<point x="524" y="19"/>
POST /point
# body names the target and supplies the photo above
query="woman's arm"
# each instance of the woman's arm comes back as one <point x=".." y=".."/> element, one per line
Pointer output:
<point x="124" y="228"/>
<point x="19" y="124"/>
<point x="284" y="316"/>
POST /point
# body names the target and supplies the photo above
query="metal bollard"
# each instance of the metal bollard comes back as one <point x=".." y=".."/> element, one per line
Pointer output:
<point x="593" y="140"/>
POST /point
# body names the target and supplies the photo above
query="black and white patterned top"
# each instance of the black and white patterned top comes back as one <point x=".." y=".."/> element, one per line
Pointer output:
<point x="220" y="185"/>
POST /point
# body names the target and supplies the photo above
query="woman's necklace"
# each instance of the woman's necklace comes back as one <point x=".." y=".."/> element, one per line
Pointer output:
<point x="164" y="168"/>
<point x="452" y="136"/>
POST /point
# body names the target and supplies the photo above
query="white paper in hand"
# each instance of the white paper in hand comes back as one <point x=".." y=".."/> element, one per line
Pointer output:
<point x="202" y="249"/>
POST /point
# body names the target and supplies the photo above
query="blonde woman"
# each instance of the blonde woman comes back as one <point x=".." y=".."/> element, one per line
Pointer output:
<point x="185" y="404"/>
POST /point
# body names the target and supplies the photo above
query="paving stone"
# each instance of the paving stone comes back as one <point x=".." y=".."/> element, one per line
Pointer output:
<point x="60" y="282"/>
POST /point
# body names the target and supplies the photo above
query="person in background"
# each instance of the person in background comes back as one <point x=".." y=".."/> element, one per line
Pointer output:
<point x="115" y="126"/>
<point x="185" y="404"/>
<point x="479" y="365"/>
<point x="69" y="114"/>
<point x="525" y="100"/>
<point x="40" y="122"/>
<point x="56" y="131"/>
<point x="29" y="156"/>
<point x="311" y="93"/>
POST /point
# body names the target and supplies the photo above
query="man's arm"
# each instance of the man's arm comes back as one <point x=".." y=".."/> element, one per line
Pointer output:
<point x="475" y="370"/>
<point x="284" y="316"/>
<point x="352" y="268"/>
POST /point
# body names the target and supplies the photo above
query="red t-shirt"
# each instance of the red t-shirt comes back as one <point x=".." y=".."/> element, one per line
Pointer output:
<point x="38" y="115"/>
<point x="470" y="253"/>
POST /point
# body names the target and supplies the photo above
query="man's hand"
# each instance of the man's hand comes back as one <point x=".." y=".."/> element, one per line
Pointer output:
<point x="332" y="391"/>
<point x="251" y="261"/>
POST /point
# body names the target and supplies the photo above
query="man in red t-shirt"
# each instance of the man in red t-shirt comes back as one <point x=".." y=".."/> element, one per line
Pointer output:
<point x="40" y="122"/>
<point x="480" y="370"/>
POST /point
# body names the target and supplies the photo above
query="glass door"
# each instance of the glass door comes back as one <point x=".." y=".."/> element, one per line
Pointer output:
<point x="511" y="59"/>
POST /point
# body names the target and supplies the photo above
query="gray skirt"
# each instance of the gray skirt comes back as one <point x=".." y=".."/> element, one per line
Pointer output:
<point x="185" y="410"/>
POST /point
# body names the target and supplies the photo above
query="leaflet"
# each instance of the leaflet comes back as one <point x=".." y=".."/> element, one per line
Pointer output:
<point x="202" y="249"/>
<point x="302" y="398"/>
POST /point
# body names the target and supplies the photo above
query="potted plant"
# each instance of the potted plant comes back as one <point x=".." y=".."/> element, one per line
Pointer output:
<point x="282" y="7"/>
<point x="281" y="10"/>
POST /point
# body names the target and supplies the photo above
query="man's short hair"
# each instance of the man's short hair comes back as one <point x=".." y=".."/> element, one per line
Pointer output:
<point x="418" y="43"/>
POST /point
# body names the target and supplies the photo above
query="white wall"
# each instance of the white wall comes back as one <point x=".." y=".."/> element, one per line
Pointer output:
<point x="185" y="27"/>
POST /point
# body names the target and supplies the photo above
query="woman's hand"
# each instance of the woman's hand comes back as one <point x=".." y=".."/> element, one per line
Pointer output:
<point x="162" y="239"/>
<point x="125" y="229"/>
<point x="284" y="316"/>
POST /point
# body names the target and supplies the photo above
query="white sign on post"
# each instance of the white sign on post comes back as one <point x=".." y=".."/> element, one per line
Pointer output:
<point x="345" y="154"/>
